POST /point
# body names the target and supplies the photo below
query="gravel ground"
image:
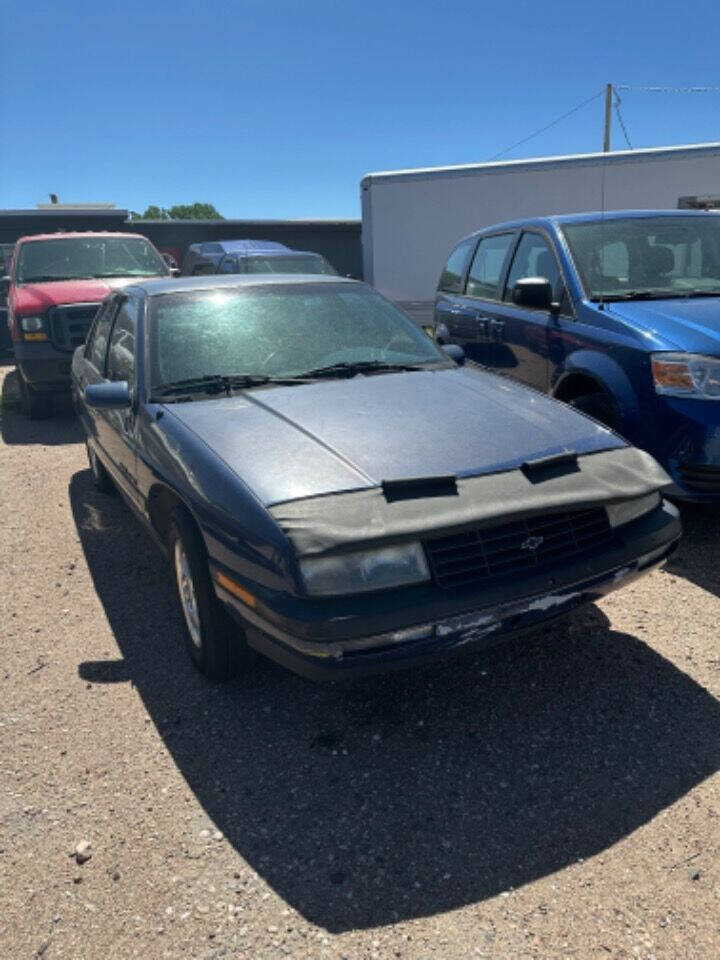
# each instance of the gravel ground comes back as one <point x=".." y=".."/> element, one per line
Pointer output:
<point x="556" y="797"/>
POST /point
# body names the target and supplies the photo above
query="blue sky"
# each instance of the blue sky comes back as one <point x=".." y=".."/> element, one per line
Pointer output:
<point x="276" y="108"/>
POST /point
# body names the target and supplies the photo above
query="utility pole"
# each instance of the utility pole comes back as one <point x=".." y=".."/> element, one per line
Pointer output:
<point x="608" y="116"/>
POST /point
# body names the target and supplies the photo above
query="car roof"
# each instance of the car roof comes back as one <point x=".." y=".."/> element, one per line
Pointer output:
<point x="595" y="216"/>
<point x="152" y="288"/>
<point x="240" y="246"/>
<point x="287" y="252"/>
<point x="80" y="234"/>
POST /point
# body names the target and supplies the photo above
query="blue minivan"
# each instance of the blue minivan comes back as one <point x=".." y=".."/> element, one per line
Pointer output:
<point x="617" y="314"/>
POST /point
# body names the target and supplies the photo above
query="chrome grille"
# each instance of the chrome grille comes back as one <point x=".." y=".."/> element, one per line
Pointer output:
<point x="503" y="551"/>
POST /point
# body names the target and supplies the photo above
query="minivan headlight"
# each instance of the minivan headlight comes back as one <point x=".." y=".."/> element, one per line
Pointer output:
<point x="621" y="513"/>
<point x="364" y="570"/>
<point x="686" y="375"/>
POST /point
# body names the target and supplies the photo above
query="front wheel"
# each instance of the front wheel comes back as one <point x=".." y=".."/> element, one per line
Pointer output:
<point x="35" y="405"/>
<point x="598" y="406"/>
<point x="101" y="478"/>
<point x="215" y="644"/>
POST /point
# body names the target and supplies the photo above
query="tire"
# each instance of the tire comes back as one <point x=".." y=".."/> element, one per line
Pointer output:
<point x="216" y="645"/>
<point x="35" y="405"/>
<point x="598" y="406"/>
<point x="101" y="478"/>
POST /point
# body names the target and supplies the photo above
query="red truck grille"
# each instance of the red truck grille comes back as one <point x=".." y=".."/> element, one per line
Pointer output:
<point x="69" y="324"/>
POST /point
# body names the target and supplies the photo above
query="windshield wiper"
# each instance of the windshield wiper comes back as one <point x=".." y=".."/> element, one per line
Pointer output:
<point x="218" y="383"/>
<point x="650" y="295"/>
<point x="703" y="293"/>
<point x="351" y="369"/>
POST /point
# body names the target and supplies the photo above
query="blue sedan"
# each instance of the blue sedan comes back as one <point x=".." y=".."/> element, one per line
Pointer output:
<point x="336" y="491"/>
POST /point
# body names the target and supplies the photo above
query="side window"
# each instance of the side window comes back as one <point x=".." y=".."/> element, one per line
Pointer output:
<point x="227" y="266"/>
<point x="97" y="341"/>
<point x="121" y="354"/>
<point x="452" y="276"/>
<point x="487" y="266"/>
<point x="533" y="258"/>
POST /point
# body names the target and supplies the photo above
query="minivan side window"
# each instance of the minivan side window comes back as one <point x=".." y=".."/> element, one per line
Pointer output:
<point x="97" y="341"/>
<point x="121" y="353"/>
<point x="533" y="258"/>
<point x="452" y="276"/>
<point x="487" y="266"/>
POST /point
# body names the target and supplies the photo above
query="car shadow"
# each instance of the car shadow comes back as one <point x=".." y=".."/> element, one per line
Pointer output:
<point x="16" y="428"/>
<point x="367" y="802"/>
<point x="698" y="556"/>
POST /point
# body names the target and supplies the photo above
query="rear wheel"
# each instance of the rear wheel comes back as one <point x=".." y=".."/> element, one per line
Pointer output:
<point x="598" y="406"/>
<point x="35" y="405"/>
<point x="101" y="478"/>
<point x="215" y="643"/>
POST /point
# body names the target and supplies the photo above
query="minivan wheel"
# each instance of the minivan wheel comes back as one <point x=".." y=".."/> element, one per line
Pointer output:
<point x="101" y="478"/>
<point x="598" y="406"/>
<point x="35" y="405"/>
<point x="215" y="643"/>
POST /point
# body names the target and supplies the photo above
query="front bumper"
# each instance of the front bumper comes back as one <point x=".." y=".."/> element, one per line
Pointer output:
<point x="43" y="366"/>
<point x="400" y="635"/>
<point x="689" y="448"/>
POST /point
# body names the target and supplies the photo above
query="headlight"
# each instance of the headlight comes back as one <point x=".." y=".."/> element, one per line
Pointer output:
<point x="686" y="375"/>
<point x="621" y="513"/>
<point x="365" y="570"/>
<point x="31" y="324"/>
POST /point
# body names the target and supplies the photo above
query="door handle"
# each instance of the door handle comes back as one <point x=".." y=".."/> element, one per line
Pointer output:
<point x="496" y="328"/>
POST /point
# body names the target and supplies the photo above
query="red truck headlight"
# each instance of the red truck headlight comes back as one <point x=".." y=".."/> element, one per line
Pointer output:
<point x="32" y="328"/>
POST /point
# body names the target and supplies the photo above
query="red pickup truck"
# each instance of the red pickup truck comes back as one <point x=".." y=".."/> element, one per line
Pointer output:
<point x="55" y="284"/>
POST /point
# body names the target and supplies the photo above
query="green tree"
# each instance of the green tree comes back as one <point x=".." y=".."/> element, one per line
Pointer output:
<point x="181" y="211"/>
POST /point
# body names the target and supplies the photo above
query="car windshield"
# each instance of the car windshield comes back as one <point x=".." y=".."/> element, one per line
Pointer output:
<point x="281" y="330"/>
<point x="307" y="264"/>
<point x="75" y="258"/>
<point x="647" y="257"/>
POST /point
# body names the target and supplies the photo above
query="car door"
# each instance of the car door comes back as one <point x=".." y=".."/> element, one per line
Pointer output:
<point x="91" y="368"/>
<point x="525" y="332"/>
<point x="452" y="323"/>
<point x="481" y="297"/>
<point x="117" y="428"/>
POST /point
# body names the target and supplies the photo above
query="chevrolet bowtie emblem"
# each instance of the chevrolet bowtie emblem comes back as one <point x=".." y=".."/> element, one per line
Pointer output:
<point x="532" y="543"/>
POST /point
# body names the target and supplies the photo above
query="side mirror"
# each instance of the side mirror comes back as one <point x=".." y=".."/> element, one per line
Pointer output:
<point x="455" y="352"/>
<point x="112" y="395"/>
<point x="442" y="334"/>
<point x="536" y="293"/>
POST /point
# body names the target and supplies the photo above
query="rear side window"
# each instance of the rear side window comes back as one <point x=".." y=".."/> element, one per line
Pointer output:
<point x="97" y="342"/>
<point x="487" y="266"/>
<point x="451" y="278"/>
<point x="121" y="355"/>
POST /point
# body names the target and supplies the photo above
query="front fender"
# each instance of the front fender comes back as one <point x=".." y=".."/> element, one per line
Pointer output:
<point x="609" y="376"/>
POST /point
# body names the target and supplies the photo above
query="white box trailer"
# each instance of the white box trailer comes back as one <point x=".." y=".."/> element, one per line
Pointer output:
<point x="411" y="219"/>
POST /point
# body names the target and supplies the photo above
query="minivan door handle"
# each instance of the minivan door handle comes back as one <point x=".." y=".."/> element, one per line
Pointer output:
<point x="496" y="329"/>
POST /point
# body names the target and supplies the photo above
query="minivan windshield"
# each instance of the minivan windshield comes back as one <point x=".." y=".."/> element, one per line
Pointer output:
<point x="85" y="258"/>
<point x="280" y="331"/>
<point x="647" y="257"/>
<point x="309" y="264"/>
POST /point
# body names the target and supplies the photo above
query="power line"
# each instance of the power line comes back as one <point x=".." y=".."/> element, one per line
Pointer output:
<point x="669" y="89"/>
<point x="618" y="101"/>
<point x="549" y="125"/>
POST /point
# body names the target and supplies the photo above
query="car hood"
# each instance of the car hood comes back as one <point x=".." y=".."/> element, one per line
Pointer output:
<point x="691" y="325"/>
<point x="287" y="443"/>
<point x="38" y="297"/>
